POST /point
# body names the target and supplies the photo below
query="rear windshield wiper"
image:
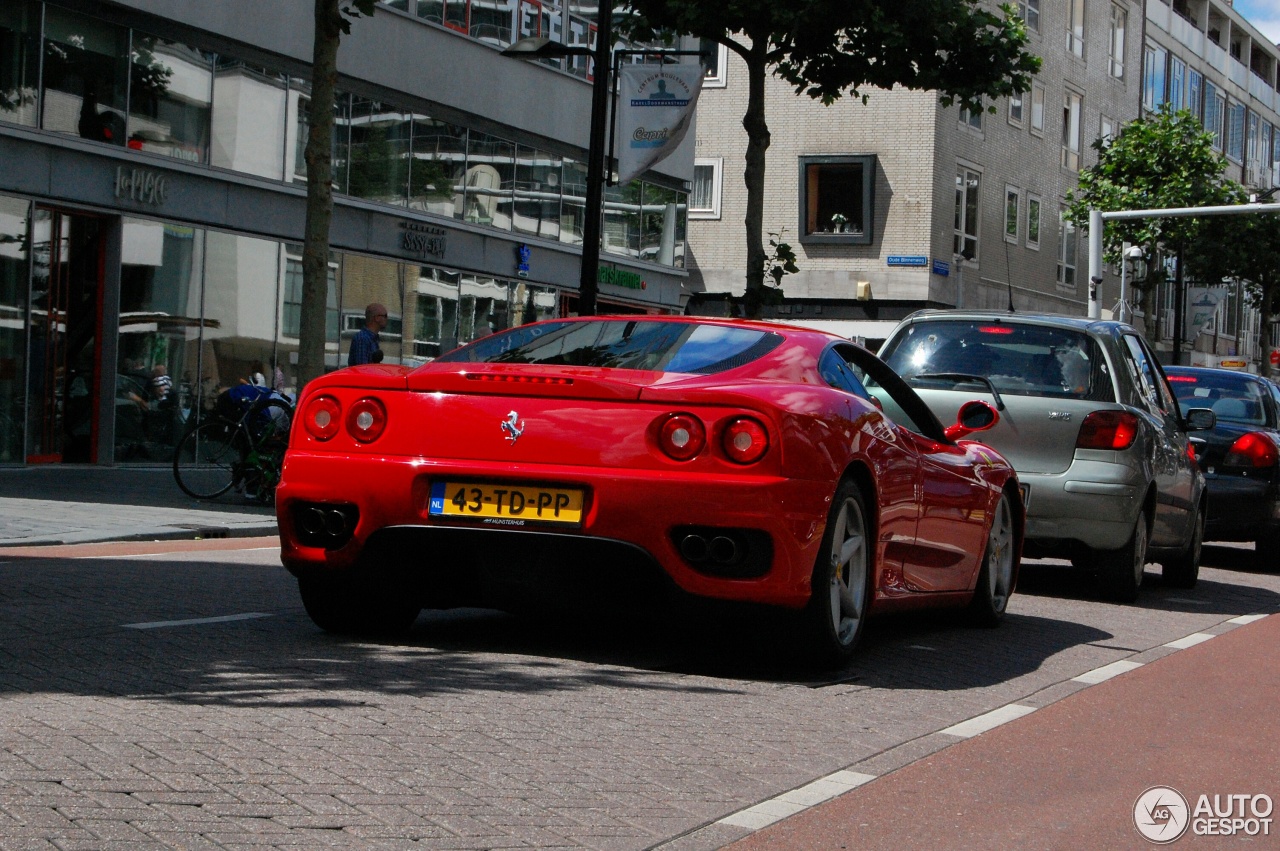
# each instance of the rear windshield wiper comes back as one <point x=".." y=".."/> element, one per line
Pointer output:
<point x="959" y="377"/>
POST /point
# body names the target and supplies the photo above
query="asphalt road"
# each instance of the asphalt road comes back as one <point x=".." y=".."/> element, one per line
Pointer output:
<point x="175" y="695"/>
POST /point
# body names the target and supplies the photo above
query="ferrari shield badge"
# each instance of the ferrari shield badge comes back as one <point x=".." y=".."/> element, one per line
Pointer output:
<point x="513" y="427"/>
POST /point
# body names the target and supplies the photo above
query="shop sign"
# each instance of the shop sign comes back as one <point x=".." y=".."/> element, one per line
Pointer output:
<point x="941" y="267"/>
<point x="620" y="278"/>
<point x="142" y="185"/>
<point x="423" y="240"/>
<point x="522" y="260"/>
<point x="1233" y="363"/>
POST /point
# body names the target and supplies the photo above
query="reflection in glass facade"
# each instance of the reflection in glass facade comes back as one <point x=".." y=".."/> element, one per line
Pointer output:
<point x="19" y="61"/>
<point x="14" y="269"/>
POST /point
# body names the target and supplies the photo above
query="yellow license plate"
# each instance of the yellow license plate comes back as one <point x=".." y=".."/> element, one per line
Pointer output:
<point x="506" y="505"/>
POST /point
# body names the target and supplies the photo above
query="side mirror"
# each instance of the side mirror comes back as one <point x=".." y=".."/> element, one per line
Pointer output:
<point x="1200" y="419"/>
<point x="973" y="415"/>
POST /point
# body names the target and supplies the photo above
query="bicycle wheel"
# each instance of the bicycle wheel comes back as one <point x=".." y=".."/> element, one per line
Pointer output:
<point x="207" y="461"/>
<point x="269" y="425"/>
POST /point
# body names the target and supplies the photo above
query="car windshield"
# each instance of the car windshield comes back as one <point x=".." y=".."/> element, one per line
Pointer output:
<point x="649" y="344"/>
<point x="1232" y="399"/>
<point x="1018" y="358"/>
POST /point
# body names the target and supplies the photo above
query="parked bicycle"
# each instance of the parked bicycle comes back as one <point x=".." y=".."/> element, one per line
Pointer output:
<point x="239" y="446"/>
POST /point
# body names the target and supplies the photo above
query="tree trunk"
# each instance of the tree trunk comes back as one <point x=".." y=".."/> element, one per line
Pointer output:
<point x="318" y="156"/>
<point x="757" y="145"/>
<point x="1267" y="309"/>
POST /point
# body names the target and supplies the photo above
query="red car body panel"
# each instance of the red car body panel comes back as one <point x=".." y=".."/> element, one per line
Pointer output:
<point x="597" y="429"/>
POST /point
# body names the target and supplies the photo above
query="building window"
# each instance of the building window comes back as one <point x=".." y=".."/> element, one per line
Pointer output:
<point x="1119" y="23"/>
<point x="1195" y="93"/>
<point x="704" y="201"/>
<point x="1066" y="251"/>
<point x="291" y="312"/>
<point x="1030" y="12"/>
<point x="1037" y="108"/>
<point x="837" y="198"/>
<point x="1075" y="27"/>
<point x="971" y="118"/>
<point x="1033" y="222"/>
<point x="715" y="58"/>
<point x="1072" y="114"/>
<point x="1015" y="109"/>
<point x="1177" y="79"/>
<point x="1215" y="107"/>
<point x="1235" y="131"/>
<point x="968" y="192"/>
<point x="1155" y="62"/>
<point x="1106" y="129"/>
<point x="1012" y="203"/>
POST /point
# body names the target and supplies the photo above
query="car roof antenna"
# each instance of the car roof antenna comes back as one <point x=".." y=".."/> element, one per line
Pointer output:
<point x="1008" y="276"/>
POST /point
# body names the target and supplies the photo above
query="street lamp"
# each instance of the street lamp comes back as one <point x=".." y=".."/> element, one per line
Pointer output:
<point x="540" y="48"/>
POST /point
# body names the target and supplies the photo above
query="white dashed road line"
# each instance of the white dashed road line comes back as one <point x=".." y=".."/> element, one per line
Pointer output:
<point x="1246" y="619"/>
<point x="988" y="720"/>
<point x="196" y="621"/>
<point x="790" y="803"/>
<point x="1106" y="672"/>
<point x="1189" y="641"/>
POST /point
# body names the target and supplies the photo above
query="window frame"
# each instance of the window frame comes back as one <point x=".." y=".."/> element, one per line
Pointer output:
<point x="1076" y="34"/>
<point x="1037" y="103"/>
<point x="1072" y="129"/>
<point x="960" y="225"/>
<point x="1016" y="102"/>
<point x="868" y="204"/>
<point x="1034" y="201"/>
<point x="1013" y="193"/>
<point x="716" y="164"/>
<point x="1117" y="43"/>
<point x="1068" y="250"/>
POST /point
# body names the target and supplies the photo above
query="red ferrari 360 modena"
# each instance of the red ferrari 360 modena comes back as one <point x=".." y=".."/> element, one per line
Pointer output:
<point x="734" y="460"/>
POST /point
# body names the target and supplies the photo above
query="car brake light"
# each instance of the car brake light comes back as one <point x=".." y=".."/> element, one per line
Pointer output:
<point x="1108" y="430"/>
<point x="745" y="440"/>
<point x="682" y="436"/>
<point x="1182" y="379"/>
<point x="995" y="329"/>
<point x="322" y="417"/>
<point x="366" y="420"/>
<point x="1254" y="449"/>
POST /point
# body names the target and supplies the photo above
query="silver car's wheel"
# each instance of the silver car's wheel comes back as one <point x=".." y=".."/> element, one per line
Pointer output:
<point x="1183" y="569"/>
<point x="837" y="611"/>
<point x="1121" y="570"/>
<point x="999" y="567"/>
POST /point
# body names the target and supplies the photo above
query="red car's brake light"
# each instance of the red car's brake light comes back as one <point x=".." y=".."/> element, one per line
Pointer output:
<point x="519" y="379"/>
<point x="322" y="417"/>
<point x="366" y="420"/>
<point x="995" y="329"/>
<point x="682" y="436"/>
<point x="1254" y="449"/>
<point x="1108" y="430"/>
<point x="745" y="440"/>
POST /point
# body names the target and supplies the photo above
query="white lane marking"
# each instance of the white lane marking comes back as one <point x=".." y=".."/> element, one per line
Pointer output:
<point x="1189" y="641"/>
<point x="988" y="720"/>
<point x="789" y="803"/>
<point x="1106" y="672"/>
<point x="195" y="621"/>
<point x="1247" y="619"/>
<point x="179" y="552"/>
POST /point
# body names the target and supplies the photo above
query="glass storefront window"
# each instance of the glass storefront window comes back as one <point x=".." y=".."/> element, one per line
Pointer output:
<point x="439" y="167"/>
<point x="291" y="310"/>
<point x="379" y="154"/>
<point x="537" y="190"/>
<point x="489" y="180"/>
<point x="622" y="219"/>
<point x="573" y="207"/>
<point x="158" y="338"/>
<point x="170" y="99"/>
<point x="663" y="225"/>
<point x="19" y="61"/>
<point x="14" y="216"/>
<point x="367" y="281"/>
<point x="250" y="105"/>
<point x="435" y="315"/>
<point x="86" y="76"/>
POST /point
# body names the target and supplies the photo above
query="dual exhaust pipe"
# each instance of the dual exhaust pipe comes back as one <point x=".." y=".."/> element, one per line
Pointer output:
<point x="328" y="526"/>
<point x="717" y="549"/>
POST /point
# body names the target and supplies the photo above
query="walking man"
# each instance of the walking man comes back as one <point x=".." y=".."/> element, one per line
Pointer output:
<point x="364" y="346"/>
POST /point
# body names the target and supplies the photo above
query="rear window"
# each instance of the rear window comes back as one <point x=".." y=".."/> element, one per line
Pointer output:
<point x="648" y="344"/>
<point x="1019" y="359"/>
<point x="1232" y="399"/>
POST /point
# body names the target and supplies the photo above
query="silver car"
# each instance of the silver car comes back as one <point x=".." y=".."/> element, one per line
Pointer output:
<point x="1091" y="426"/>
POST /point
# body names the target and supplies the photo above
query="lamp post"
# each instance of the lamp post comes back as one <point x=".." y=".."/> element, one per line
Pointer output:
<point x="540" y="48"/>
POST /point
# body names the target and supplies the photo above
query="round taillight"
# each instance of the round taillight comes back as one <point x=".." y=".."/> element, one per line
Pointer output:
<point x="682" y="436"/>
<point x="745" y="440"/>
<point x="1254" y="449"/>
<point x="366" y="420"/>
<point x="323" y="417"/>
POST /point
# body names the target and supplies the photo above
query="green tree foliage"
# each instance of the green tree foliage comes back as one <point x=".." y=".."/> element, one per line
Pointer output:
<point x="829" y="48"/>
<point x="332" y="21"/>
<point x="1247" y="247"/>
<point x="1160" y="161"/>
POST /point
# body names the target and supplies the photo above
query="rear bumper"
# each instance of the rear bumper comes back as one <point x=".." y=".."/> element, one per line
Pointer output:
<point x="1093" y="503"/>
<point x="630" y="515"/>
<point x="1241" y="508"/>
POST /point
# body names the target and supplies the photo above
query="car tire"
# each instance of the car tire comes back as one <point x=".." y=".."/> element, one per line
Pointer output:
<point x="1183" y="570"/>
<point x="837" y="610"/>
<point x="999" y="571"/>
<point x="1120" y="571"/>
<point x="345" y="606"/>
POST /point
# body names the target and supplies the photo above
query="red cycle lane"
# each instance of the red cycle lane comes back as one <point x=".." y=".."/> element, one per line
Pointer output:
<point x="1203" y="721"/>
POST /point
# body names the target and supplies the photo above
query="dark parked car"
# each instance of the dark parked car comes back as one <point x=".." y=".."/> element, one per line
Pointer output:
<point x="1089" y="423"/>
<point x="1240" y="456"/>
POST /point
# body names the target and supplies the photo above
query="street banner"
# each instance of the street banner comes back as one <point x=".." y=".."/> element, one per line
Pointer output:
<point x="1202" y="304"/>
<point x="655" y="109"/>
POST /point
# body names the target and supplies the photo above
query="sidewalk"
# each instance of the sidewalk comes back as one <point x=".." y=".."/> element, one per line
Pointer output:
<point x="64" y="504"/>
